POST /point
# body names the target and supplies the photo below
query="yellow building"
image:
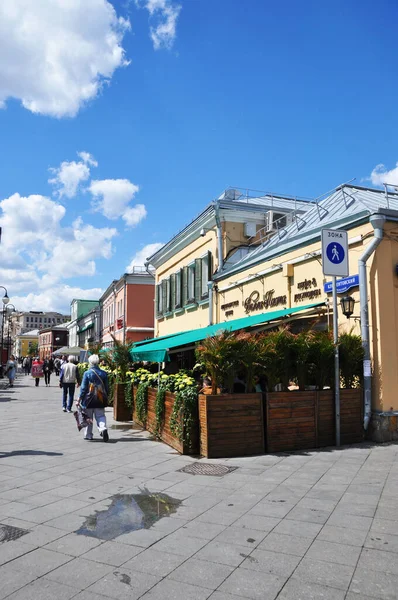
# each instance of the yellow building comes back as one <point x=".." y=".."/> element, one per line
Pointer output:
<point x="24" y="342"/>
<point x="246" y="256"/>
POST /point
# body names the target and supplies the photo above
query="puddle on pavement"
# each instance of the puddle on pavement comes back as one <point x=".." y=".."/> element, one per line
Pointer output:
<point x="128" y="512"/>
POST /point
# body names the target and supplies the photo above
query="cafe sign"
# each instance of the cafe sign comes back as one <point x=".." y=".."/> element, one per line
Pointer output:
<point x="268" y="300"/>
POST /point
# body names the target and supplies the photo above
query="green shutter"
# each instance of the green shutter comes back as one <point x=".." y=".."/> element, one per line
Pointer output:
<point x="158" y="292"/>
<point x="164" y="295"/>
<point x="173" y="291"/>
<point x="184" y="287"/>
<point x="198" y="279"/>
<point x="210" y="266"/>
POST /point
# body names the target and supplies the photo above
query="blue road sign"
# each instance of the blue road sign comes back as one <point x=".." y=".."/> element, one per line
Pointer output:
<point x="335" y="253"/>
<point x="342" y="285"/>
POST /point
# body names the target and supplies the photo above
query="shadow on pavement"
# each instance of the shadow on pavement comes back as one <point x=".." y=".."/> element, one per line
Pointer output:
<point x="28" y="453"/>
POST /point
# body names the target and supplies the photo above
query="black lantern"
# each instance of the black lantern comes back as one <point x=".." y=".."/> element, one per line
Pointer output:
<point x="347" y="306"/>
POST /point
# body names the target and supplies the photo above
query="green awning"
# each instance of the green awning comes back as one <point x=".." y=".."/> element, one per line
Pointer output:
<point x="156" y="350"/>
<point x="89" y="326"/>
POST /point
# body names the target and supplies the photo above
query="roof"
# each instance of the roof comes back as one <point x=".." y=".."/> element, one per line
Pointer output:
<point x="235" y="200"/>
<point x="32" y="333"/>
<point x="347" y="205"/>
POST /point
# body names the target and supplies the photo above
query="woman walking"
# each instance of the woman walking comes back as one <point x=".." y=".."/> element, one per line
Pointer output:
<point x="47" y="369"/>
<point x="37" y="370"/>
<point x="11" y="370"/>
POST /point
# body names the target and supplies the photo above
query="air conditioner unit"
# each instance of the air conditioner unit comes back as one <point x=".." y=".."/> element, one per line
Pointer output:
<point x="277" y="220"/>
<point x="250" y="230"/>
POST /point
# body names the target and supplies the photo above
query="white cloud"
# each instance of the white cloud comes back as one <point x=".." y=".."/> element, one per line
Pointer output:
<point x="112" y="197"/>
<point x="380" y="175"/>
<point x="134" y="215"/>
<point x="163" y="19"/>
<point x="140" y="257"/>
<point x="38" y="253"/>
<point x="57" y="299"/>
<point x="56" y="55"/>
<point x="69" y="175"/>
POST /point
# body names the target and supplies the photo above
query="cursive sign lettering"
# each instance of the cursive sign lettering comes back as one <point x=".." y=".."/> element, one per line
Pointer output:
<point x="253" y="302"/>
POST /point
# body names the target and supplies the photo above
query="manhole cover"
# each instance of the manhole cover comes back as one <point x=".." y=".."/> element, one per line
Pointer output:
<point x="207" y="469"/>
<point x="8" y="533"/>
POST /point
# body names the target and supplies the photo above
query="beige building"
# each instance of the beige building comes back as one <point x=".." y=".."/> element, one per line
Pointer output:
<point x="213" y="272"/>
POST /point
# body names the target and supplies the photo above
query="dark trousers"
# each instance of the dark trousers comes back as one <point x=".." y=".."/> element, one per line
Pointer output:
<point x="37" y="380"/>
<point x="68" y="388"/>
<point x="47" y="375"/>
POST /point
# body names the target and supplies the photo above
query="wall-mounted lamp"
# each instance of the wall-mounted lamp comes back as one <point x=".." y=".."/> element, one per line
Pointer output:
<point x="347" y="306"/>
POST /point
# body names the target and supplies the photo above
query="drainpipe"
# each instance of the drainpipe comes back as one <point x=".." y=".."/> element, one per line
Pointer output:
<point x="210" y="288"/>
<point x="219" y="236"/>
<point x="377" y="222"/>
<point x="146" y="265"/>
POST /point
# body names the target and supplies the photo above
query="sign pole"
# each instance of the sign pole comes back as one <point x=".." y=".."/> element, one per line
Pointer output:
<point x="336" y="361"/>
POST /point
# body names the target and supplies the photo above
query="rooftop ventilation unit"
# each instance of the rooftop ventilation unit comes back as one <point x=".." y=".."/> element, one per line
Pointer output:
<point x="276" y="220"/>
<point x="231" y="194"/>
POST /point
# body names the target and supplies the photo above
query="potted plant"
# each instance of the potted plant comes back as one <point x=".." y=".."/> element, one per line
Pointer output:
<point x="119" y="361"/>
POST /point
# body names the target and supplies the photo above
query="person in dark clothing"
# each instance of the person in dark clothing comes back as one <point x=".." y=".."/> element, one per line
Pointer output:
<point x="48" y="366"/>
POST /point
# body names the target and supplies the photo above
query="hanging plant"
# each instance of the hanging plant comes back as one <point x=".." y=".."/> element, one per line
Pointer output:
<point x="128" y="397"/>
<point x="159" y="410"/>
<point x="141" y="402"/>
<point x="184" y="415"/>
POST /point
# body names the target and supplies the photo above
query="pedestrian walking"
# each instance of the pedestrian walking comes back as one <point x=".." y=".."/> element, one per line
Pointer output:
<point x="94" y="397"/>
<point x="37" y="370"/>
<point x="68" y="379"/>
<point x="27" y="364"/>
<point x="48" y="367"/>
<point x="11" y="370"/>
<point x="57" y="366"/>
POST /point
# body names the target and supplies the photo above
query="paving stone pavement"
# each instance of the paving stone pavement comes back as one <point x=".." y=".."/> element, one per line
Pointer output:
<point x="317" y="525"/>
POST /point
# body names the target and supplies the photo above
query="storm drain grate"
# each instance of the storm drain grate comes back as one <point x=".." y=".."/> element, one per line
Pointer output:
<point x="8" y="533"/>
<point x="198" y="468"/>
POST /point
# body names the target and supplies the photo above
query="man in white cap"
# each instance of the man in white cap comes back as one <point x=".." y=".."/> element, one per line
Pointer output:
<point x="94" y="397"/>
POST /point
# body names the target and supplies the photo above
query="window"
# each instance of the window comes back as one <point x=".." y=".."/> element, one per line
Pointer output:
<point x="191" y="283"/>
<point x="40" y="320"/>
<point x="58" y="320"/>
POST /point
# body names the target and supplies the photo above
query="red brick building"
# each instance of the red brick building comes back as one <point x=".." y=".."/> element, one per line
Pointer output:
<point x="127" y="308"/>
<point x="52" y="339"/>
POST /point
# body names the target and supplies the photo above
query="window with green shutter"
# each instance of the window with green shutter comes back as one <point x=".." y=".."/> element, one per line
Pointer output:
<point x="173" y="291"/>
<point x="198" y="279"/>
<point x="207" y="274"/>
<point x="185" y="286"/>
<point x="159" y="300"/>
<point x="191" y="283"/>
<point x="178" y="289"/>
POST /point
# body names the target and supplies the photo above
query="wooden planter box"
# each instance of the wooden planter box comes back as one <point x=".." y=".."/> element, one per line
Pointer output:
<point x="231" y="425"/>
<point x="302" y="420"/>
<point x="166" y="435"/>
<point x="121" y="412"/>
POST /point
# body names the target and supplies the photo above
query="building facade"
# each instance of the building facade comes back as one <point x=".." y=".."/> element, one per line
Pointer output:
<point x="283" y="270"/>
<point x="88" y="328"/>
<point x="22" y="322"/>
<point x="24" y="342"/>
<point x="79" y="308"/>
<point x="52" y="339"/>
<point x="127" y="308"/>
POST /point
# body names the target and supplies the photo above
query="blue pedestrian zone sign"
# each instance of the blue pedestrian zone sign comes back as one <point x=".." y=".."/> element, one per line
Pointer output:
<point x="335" y="253"/>
<point x="342" y="285"/>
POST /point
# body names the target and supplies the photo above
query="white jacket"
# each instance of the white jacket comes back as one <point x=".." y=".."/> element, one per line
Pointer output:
<point x="68" y="373"/>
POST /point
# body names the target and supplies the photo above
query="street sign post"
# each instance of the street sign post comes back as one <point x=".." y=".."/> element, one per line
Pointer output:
<point x="335" y="263"/>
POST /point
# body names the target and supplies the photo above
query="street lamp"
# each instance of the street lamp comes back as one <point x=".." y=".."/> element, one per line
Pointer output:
<point x="5" y="300"/>
<point x="13" y="309"/>
<point x="347" y="306"/>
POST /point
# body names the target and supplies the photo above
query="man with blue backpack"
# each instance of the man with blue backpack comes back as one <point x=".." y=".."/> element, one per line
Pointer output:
<point x="94" y="397"/>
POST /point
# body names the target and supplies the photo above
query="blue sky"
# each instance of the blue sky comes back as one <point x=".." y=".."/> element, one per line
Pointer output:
<point x="290" y="97"/>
